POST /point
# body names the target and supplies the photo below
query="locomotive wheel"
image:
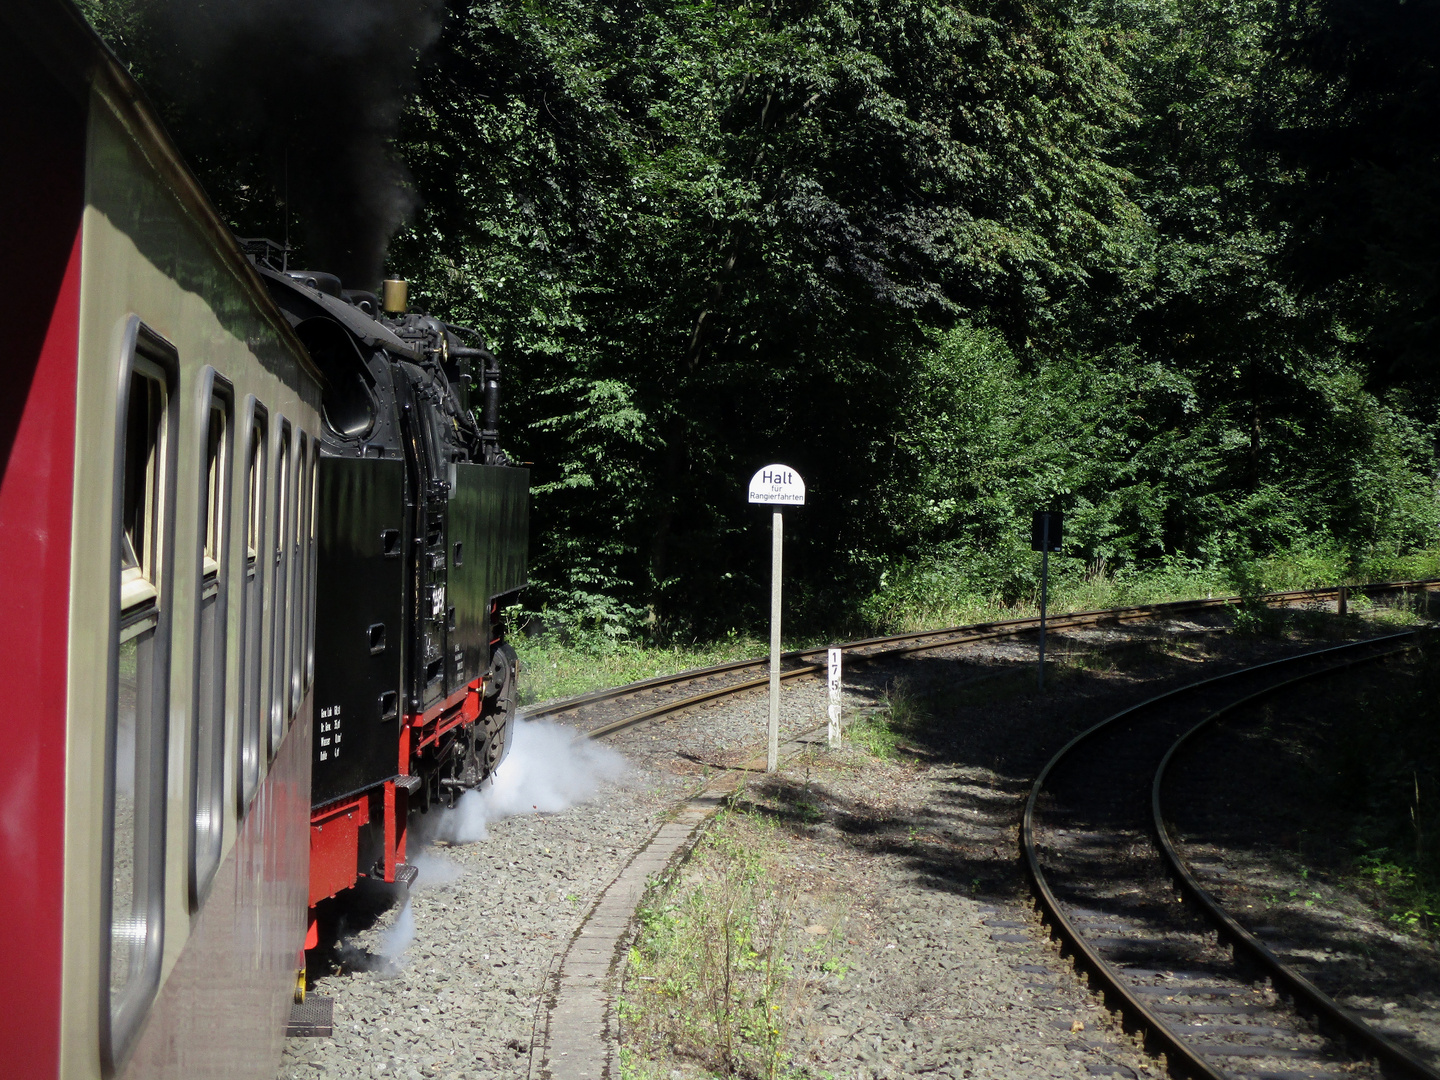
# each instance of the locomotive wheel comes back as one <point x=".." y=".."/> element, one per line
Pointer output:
<point x="500" y="704"/>
<point x="494" y="743"/>
<point x="500" y="683"/>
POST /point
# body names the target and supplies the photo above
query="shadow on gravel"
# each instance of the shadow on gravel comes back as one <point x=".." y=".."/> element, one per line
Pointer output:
<point x="1289" y="809"/>
<point x="984" y="731"/>
<point x="982" y="870"/>
<point x="1316" y="821"/>
<point x="344" y="916"/>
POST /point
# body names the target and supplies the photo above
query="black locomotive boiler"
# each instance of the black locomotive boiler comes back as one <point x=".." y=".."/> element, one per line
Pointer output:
<point x="421" y="527"/>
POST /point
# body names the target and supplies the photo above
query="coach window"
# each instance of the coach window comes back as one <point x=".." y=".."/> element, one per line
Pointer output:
<point x="284" y="518"/>
<point x="252" y="705"/>
<point x="298" y="569"/>
<point x="311" y="560"/>
<point x="208" y="742"/>
<point x="136" y="734"/>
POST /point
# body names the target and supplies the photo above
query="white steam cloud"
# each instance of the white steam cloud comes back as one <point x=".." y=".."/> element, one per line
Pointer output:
<point x="547" y="770"/>
<point x="387" y="959"/>
<point x="434" y="869"/>
<point x="398" y="937"/>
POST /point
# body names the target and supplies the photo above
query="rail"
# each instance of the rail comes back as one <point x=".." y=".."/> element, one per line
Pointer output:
<point x="1394" y="1059"/>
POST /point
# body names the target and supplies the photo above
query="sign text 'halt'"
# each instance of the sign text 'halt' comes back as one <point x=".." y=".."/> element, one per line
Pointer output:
<point x="777" y="485"/>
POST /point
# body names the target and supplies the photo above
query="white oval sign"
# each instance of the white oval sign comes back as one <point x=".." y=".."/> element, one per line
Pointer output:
<point x="777" y="484"/>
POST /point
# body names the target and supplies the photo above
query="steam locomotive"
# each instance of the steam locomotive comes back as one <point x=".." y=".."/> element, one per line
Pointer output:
<point x="257" y="544"/>
<point x="422" y="524"/>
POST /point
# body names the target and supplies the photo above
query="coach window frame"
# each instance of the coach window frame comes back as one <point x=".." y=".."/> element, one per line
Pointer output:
<point x="253" y="684"/>
<point x="140" y="608"/>
<point x="284" y="508"/>
<point x="215" y="400"/>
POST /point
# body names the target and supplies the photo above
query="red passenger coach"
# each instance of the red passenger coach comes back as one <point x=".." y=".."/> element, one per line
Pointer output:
<point x="239" y="504"/>
<point x="159" y="432"/>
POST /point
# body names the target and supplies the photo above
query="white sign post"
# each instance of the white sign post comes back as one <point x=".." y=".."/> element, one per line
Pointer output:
<point x="834" y="730"/>
<point x="776" y="485"/>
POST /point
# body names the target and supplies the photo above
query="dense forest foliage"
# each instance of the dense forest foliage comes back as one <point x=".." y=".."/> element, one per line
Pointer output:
<point x="1168" y="265"/>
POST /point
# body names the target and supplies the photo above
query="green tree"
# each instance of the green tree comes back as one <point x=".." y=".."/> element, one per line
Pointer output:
<point x="727" y="227"/>
<point x="1161" y="263"/>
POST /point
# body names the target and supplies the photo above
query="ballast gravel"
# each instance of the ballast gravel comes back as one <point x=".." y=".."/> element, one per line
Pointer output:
<point x="488" y="919"/>
<point x="933" y="990"/>
<point x="1274" y="845"/>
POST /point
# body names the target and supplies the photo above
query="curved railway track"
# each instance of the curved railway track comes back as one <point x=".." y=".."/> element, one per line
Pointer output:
<point x="1104" y="867"/>
<point x="666" y="694"/>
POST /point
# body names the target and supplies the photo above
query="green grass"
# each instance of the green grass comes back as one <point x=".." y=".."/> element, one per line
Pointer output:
<point x="921" y="599"/>
<point x="554" y="665"/>
<point x="1378" y="770"/>
<point x="719" y="968"/>
<point x="552" y="668"/>
<point x="1409" y="887"/>
<point x="875" y="735"/>
<point x="883" y="733"/>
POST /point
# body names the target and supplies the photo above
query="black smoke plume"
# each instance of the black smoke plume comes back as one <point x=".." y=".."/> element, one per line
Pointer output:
<point x="302" y="96"/>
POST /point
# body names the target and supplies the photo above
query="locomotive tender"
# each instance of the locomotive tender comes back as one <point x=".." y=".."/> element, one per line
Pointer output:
<point x="255" y="544"/>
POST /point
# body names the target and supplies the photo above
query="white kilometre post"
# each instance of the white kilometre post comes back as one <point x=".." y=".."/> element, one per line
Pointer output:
<point x="778" y="486"/>
<point x="834" y="681"/>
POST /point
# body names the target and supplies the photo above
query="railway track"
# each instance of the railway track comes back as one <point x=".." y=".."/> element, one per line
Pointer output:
<point x="567" y="1041"/>
<point x="565" y="1029"/>
<point x="596" y="713"/>
<point x="1208" y="995"/>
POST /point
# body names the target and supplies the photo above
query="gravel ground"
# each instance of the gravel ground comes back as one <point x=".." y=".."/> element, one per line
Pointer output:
<point x="945" y="979"/>
<point x="489" y="917"/>
<point x="724" y="734"/>
<point x="926" y="848"/>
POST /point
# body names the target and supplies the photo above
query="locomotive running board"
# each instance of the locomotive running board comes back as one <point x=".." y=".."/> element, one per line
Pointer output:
<point x="405" y="873"/>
